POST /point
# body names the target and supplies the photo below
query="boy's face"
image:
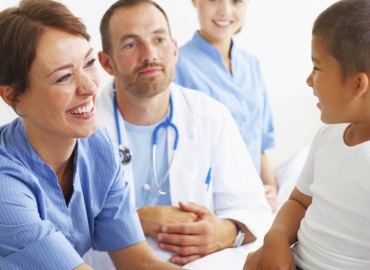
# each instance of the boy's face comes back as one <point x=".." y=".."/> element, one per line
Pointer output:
<point x="326" y="79"/>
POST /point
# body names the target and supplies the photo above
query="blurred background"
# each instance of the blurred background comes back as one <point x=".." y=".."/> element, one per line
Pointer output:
<point x="277" y="32"/>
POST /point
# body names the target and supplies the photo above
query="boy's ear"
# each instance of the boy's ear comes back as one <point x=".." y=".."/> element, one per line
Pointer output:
<point x="7" y="93"/>
<point x="362" y="87"/>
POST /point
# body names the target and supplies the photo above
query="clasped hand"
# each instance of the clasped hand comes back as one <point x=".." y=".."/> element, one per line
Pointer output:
<point x="191" y="231"/>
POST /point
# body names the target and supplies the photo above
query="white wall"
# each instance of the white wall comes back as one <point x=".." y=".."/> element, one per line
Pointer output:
<point x="278" y="32"/>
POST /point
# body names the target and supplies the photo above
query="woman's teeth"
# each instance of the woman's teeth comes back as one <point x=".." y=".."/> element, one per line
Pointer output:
<point x="84" y="109"/>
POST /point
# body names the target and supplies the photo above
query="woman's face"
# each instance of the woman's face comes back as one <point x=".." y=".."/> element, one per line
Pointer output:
<point x="63" y="81"/>
<point x="220" y="19"/>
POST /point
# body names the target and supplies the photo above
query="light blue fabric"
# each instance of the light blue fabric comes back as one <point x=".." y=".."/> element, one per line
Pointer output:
<point x="140" y="139"/>
<point x="37" y="229"/>
<point x="200" y="66"/>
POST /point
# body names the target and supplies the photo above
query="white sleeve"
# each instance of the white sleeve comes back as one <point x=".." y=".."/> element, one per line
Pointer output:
<point x="238" y="189"/>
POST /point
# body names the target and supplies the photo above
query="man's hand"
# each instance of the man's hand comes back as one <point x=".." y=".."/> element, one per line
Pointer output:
<point x="152" y="218"/>
<point x="191" y="240"/>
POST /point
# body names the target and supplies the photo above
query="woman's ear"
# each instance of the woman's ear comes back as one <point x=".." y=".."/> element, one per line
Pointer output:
<point x="7" y="94"/>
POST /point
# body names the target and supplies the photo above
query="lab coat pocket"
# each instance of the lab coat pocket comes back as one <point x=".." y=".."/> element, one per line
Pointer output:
<point x="201" y="190"/>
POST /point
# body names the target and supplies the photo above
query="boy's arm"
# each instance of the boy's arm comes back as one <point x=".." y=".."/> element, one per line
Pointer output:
<point x="275" y="251"/>
<point x="288" y="219"/>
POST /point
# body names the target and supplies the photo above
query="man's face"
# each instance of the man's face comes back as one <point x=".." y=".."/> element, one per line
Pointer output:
<point x="143" y="54"/>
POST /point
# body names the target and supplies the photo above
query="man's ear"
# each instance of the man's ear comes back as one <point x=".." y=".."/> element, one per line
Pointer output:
<point x="175" y="50"/>
<point x="105" y="62"/>
<point x="7" y="94"/>
<point x="362" y="84"/>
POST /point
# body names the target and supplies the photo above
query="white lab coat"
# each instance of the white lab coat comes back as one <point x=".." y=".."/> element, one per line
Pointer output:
<point x="208" y="138"/>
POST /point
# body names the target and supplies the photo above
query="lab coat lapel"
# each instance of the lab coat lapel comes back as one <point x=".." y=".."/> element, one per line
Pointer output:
<point x="187" y="153"/>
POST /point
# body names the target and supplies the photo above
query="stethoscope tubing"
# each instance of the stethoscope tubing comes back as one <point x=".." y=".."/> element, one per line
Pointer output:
<point x="165" y="124"/>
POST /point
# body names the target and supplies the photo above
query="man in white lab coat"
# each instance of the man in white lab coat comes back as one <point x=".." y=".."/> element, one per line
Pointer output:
<point x="196" y="189"/>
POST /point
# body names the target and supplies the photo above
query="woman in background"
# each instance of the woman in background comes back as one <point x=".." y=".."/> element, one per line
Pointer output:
<point x="211" y="63"/>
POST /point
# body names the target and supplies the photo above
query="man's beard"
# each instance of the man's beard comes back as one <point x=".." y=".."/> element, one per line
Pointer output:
<point x="148" y="86"/>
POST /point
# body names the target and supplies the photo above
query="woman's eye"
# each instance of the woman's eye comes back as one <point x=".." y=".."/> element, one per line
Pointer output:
<point x="64" y="78"/>
<point x="90" y="63"/>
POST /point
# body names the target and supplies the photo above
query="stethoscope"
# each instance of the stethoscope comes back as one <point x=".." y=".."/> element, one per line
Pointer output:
<point x="125" y="153"/>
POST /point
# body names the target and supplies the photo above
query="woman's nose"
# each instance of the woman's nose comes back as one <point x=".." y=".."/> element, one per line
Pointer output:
<point x="224" y="7"/>
<point x="87" y="85"/>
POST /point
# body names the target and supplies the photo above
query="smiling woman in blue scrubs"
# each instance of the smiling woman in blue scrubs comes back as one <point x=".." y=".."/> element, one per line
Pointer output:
<point x="62" y="189"/>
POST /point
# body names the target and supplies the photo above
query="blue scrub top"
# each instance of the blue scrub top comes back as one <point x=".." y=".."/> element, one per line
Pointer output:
<point x="201" y="67"/>
<point x="38" y="230"/>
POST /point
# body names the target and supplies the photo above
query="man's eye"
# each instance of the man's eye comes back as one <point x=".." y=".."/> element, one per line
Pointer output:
<point x="130" y="45"/>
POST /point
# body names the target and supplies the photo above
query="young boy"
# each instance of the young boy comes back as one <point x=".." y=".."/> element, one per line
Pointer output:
<point x="325" y="223"/>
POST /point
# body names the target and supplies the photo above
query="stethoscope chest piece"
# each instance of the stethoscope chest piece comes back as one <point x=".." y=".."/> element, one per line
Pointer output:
<point x="125" y="154"/>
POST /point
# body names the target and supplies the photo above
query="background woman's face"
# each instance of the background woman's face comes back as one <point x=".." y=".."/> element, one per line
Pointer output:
<point x="220" y="19"/>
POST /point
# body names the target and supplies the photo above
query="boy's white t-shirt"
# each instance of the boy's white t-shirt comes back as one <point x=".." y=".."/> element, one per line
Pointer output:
<point x="335" y="232"/>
